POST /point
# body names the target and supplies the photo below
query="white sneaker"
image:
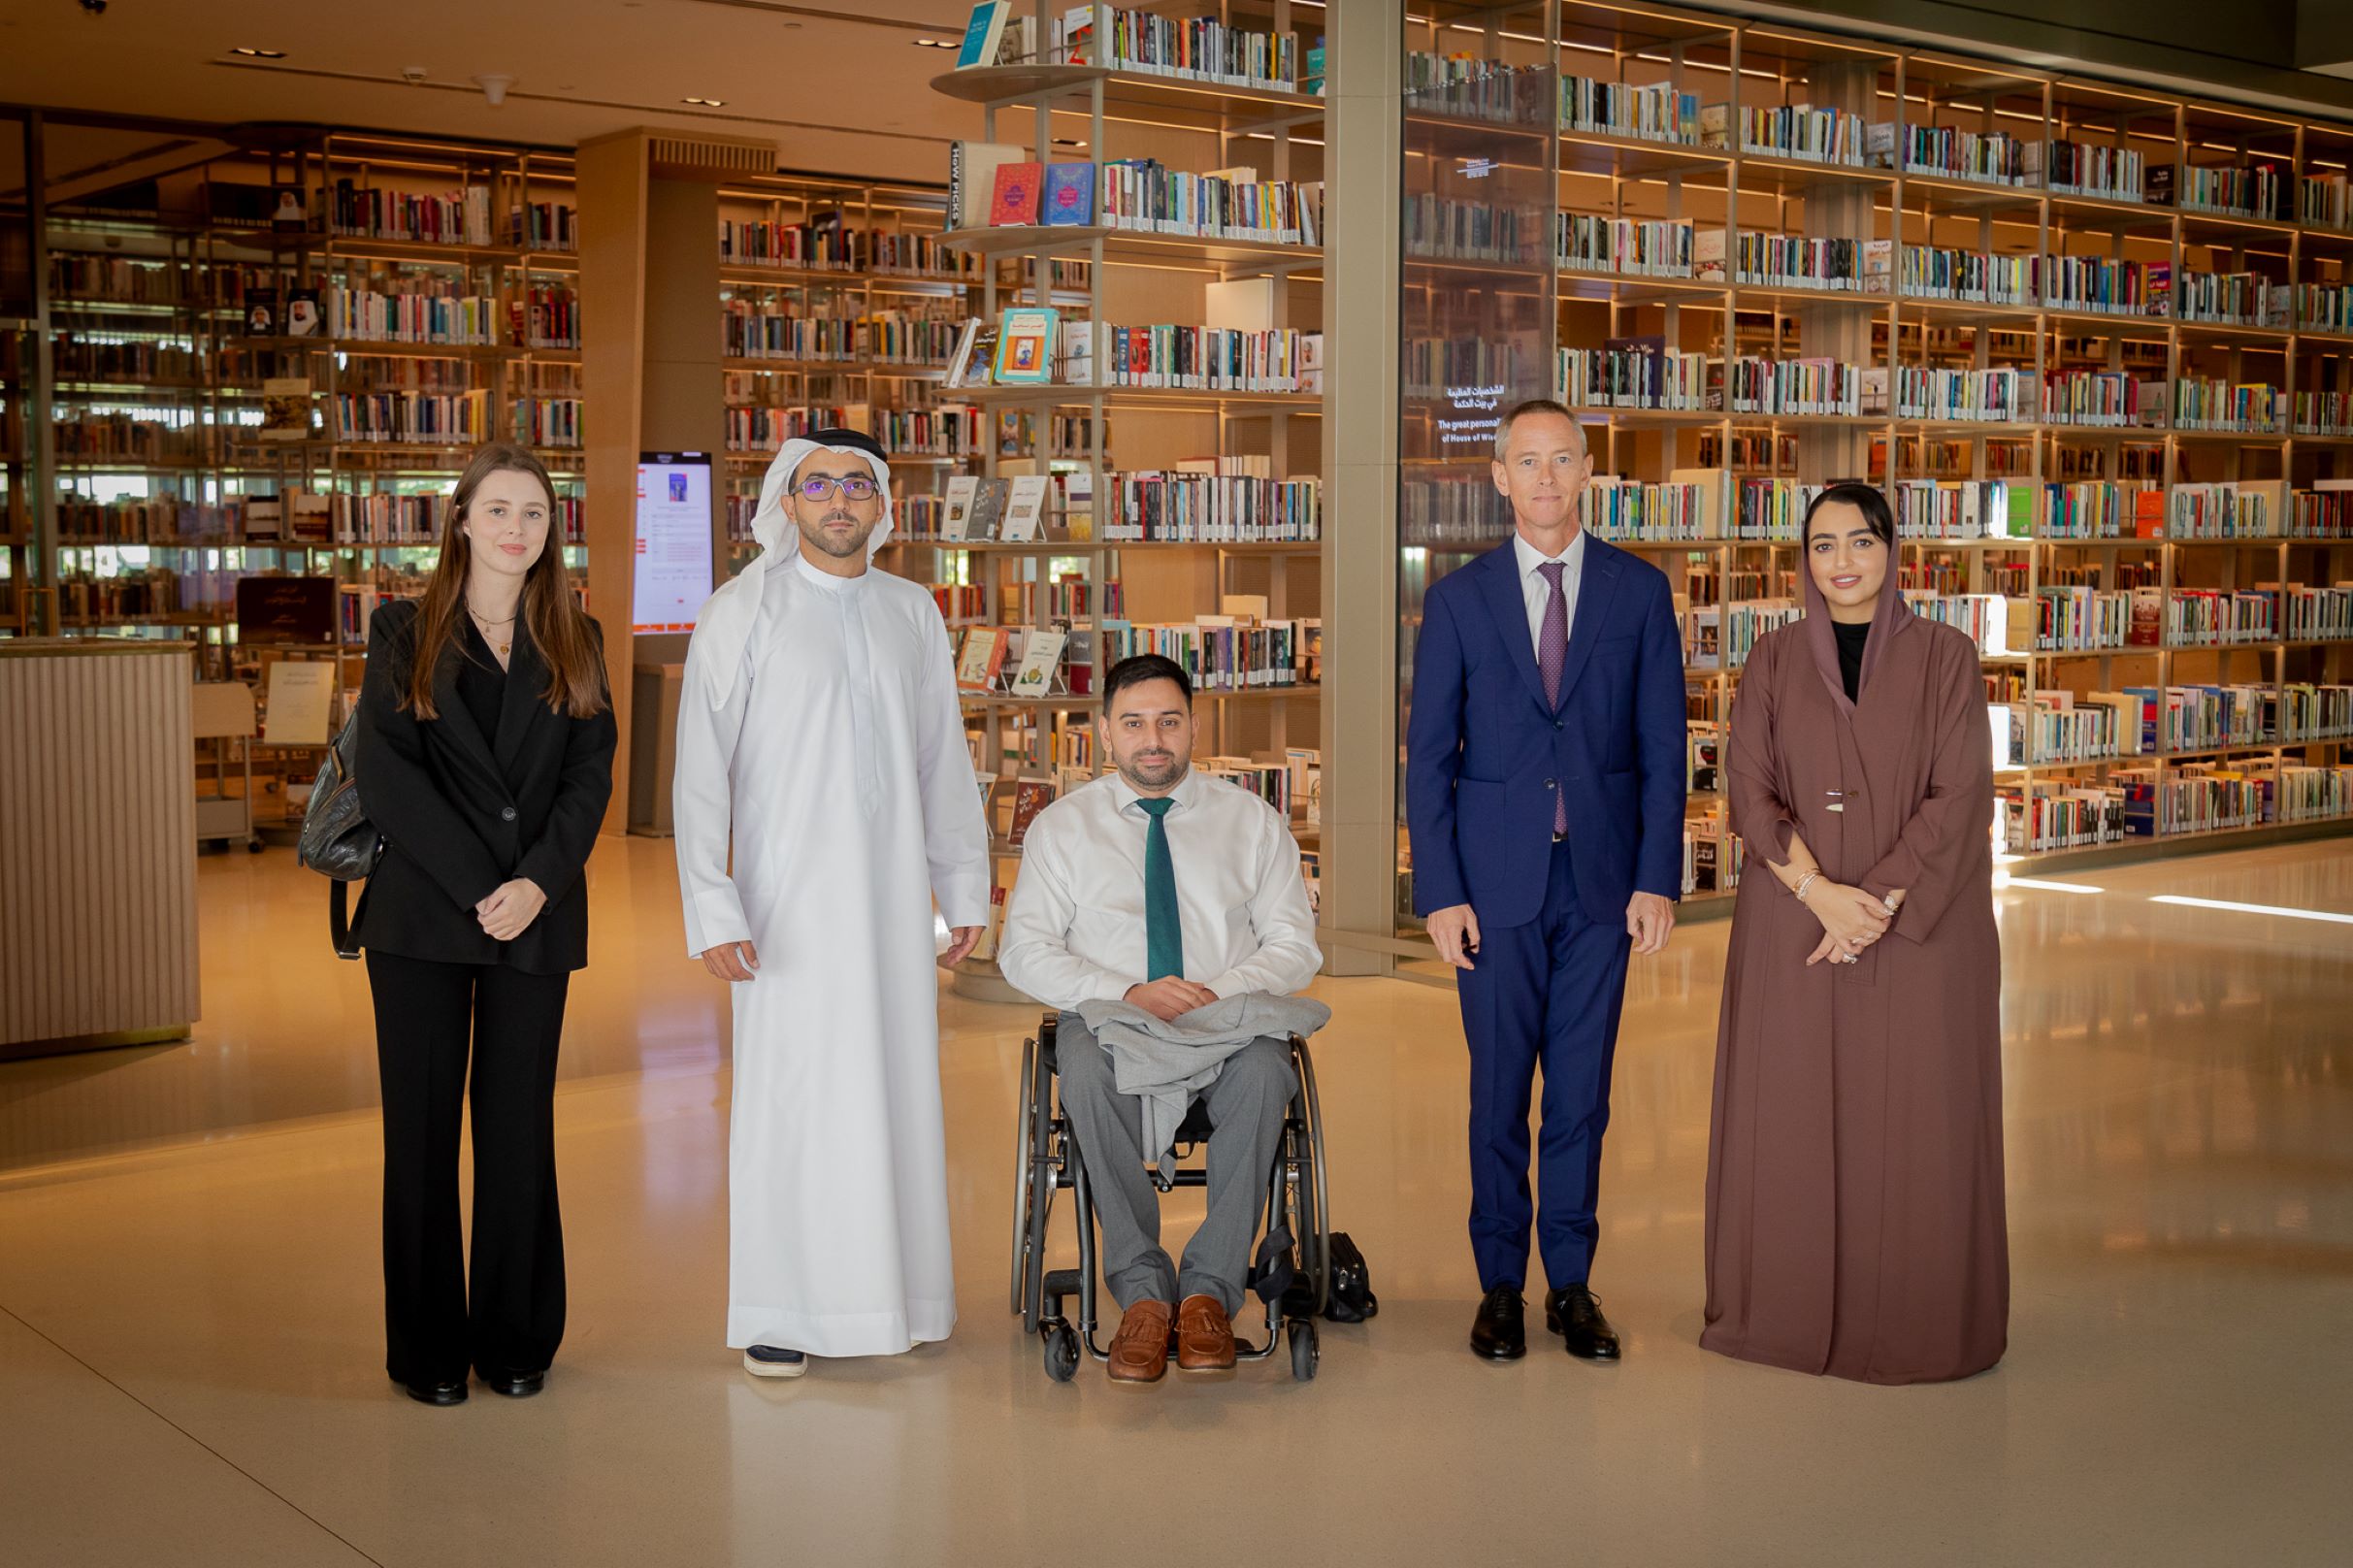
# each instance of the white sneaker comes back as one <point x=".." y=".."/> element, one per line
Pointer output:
<point x="774" y="1362"/>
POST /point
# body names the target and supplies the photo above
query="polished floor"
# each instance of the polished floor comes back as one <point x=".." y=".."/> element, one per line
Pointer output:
<point x="191" y="1350"/>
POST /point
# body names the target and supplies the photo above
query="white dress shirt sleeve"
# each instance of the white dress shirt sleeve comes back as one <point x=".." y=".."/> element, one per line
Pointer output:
<point x="1287" y="957"/>
<point x="702" y="806"/>
<point x="1034" y="952"/>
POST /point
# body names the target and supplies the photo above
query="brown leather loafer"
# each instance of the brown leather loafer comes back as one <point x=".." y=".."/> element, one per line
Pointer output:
<point x="1139" y="1351"/>
<point x="1205" y="1336"/>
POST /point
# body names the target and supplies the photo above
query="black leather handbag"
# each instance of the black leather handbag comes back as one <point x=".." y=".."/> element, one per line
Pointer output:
<point x="338" y="841"/>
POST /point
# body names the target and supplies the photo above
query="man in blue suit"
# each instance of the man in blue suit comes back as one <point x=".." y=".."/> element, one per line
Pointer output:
<point x="1543" y="792"/>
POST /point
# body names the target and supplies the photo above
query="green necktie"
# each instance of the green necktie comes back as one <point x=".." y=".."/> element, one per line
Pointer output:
<point x="1164" y="928"/>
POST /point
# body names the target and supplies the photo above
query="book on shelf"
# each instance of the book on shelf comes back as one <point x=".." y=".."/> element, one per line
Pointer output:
<point x="984" y="34"/>
<point x="1024" y="345"/>
<point x="1030" y="796"/>
<point x="971" y="361"/>
<point x="1634" y="248"/>
<point x="1225" y="204"/>
<point x="2246" y="508"/>
<point x="1025" y="508"/>
<point x="303" y="317"/>
<point x="260" y="311"/>
<point x="1796" y="131"/>
<point x="980" y="658"/>
<point x="956" y="517"/>
<point x="1040" y="670"/>
<point x="285" y="409"/>
<point x="1067" y="195"/>
<point x="1013" y="195"/>
<point x="2051" y="814"/>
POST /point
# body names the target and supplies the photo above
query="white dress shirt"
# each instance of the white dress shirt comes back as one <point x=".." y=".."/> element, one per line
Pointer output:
<point x="1537" y="592"/>
<point x="1074" y="929"/>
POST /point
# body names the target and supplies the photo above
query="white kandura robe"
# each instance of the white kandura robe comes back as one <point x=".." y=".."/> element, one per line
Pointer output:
<point x="839" y="760"/>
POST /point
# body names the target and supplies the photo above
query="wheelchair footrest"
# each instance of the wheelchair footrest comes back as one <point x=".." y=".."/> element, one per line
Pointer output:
<point x="1060" y="1282"/>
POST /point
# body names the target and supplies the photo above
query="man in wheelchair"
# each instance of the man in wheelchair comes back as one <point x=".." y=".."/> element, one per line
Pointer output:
<point x="1171" y="892"/>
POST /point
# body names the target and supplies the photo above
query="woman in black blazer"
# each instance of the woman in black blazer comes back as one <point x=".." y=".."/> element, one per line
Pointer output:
<point x="485" y="760"/>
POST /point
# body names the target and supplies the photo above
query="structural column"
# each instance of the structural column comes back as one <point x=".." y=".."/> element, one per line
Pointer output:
<point x="650" y="366"/>
<point x="1364" y="119"/>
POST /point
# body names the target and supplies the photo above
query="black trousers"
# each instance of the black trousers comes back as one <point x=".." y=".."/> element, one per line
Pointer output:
<point x="428" y="1016"/>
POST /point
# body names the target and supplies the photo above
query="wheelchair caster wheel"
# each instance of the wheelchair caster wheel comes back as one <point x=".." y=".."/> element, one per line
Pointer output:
<point x="254" y="846"/>
<point x="1061" y="1352"/>
<point x="1305" y="1352"/>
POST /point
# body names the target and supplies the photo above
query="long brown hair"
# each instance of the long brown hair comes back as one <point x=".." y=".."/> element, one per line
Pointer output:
<point x="558" y="627"/>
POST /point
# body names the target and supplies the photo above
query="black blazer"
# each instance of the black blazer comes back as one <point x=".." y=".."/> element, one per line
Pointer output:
<point x="463" y="812"/>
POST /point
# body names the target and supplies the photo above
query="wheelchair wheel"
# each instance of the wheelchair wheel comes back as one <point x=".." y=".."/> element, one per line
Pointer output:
<point x="1061" y="1352"/>
<point x="1025" y="1154"/>
<point x="1304" y="1350"/>
<point x="1313" y="1222"/>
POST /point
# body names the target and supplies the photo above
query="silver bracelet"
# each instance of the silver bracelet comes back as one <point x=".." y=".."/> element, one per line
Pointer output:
<point x="1804" y="882"/>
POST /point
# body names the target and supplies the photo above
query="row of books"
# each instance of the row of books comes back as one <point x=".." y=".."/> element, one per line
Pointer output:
<point x="1769" y="260"/>
<point x="2052" y="728"/>
<point x="1798" y="131"/>
<point x="2218" y="404"/>
<point x="1438" y="228"/>
<point x="547" y="421"/>
<point x="1234" y="204"/>
<point x="1714" y="855"/>
<point x="1177" y="506"/>
<point x="120" y="279"/>
<point x="423" y="419"/>
<point x="748" y="331"/>
<point x="1217" y="359"/>
<point x="2050" y="814"/>
<point x="1722" y="636"/>
<point x="2210" y="798"/>
<point x="1631" y="373"/>
<point x="1628" y="248"/>
<point x="547" y="316"/>
<point x="828" y="242"/>
<point x="1988" y="158"/>
<point x="1808" y="388"/>
<point x="1225" y="653"/>
<point x="421" y="313"/>
<point x="77" y="357"/>
<point x="457" y="217"/>
<point x="125" y="436"/>
<point x="1998" y="394"/>
<point x="2090" y="169"/>
<point x="1653" y="113"/>
<point x="2263" y="190"/>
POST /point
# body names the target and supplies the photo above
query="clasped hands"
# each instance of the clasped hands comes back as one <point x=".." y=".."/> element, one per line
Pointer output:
<point x="1851" y="918"/>
<point x="510" y="909"/>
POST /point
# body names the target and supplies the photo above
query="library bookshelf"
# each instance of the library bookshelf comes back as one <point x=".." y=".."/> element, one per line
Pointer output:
<point x="1179" y="511"/>
<point x="274" y="365"/>
<point x="2090" y="337"/>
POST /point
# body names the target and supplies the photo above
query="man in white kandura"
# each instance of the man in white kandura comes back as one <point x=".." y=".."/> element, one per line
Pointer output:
<point x="819" y="731"/>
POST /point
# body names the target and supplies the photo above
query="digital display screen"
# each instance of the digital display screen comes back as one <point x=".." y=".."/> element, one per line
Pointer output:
<point x="673" y="541"/>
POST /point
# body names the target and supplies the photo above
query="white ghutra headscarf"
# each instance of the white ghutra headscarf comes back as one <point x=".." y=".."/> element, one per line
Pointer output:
<point x="724" y="628"/>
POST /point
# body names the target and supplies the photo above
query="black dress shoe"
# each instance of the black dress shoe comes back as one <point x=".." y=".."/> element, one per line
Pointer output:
<point x="1499" y="1333"/>
<point x="435" y="1394"/>
<point x="1572" y="1313"/>
<point x="515" y="1385"/>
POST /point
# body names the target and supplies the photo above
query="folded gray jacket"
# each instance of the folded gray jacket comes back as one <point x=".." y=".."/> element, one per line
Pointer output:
<point x="1166" y="1061"/>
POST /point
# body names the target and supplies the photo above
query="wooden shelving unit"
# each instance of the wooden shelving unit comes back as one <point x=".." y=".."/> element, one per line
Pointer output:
<point x="1085" y="113"/>
<point x="1721" y="179"/>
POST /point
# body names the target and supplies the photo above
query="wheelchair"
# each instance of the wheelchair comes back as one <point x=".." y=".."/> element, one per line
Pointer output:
<point x="1291" y="1270"/>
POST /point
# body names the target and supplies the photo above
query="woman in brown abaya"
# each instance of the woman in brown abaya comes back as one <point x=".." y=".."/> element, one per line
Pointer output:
<point x="1854" y="1168"/>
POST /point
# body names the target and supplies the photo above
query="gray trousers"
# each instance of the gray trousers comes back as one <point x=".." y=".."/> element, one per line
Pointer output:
<point x="1246" y="1106"/>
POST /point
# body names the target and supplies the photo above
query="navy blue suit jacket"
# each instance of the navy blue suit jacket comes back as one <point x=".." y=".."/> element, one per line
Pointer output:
<point x="1484" y="752"/>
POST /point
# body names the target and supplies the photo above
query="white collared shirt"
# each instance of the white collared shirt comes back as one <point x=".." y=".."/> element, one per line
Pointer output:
<point x="1074" y="929"/>
<point x="1537" y="592"/>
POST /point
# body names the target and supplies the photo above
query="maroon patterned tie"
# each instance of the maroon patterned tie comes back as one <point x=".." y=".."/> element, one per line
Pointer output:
<point x="1552" y="653"/>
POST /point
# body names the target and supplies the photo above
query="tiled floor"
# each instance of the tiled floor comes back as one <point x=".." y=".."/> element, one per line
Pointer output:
<point x="190" y="1310"/>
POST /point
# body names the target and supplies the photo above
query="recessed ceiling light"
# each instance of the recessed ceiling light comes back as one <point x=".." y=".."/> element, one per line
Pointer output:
<point x="934" y="43"/>
<point x="259" y="55"/>
<point x="705" y="102"/>
<point x="1064" y="140"/>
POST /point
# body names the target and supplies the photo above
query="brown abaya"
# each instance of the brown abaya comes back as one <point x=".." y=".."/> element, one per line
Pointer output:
<point x="1855" y="1219"/>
